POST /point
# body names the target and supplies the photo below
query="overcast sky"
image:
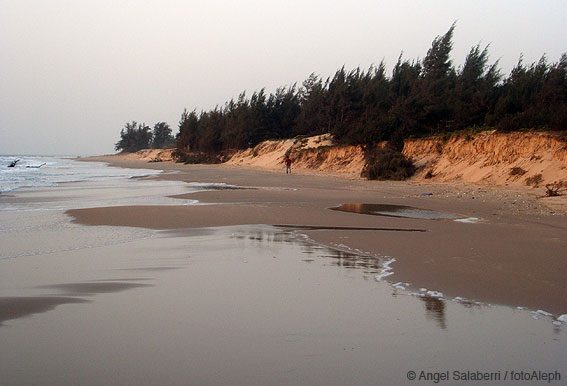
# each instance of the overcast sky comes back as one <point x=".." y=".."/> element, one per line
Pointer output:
<point x="73" y="72"/>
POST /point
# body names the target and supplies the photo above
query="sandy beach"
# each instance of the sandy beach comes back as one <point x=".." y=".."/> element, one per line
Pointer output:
<point x="513" y="254"/>
<point x="248" y="277"/>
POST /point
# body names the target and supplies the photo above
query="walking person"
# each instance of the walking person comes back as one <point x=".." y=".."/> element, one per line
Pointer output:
<point x="287" y="164"/>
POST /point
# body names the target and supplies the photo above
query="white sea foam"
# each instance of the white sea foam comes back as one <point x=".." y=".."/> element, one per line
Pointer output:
<point x="56" y="171"/>
<point x="562" y="318"/>
<point x="191" y="202"/>
<point x="434" y="294"/>
<point x="399" y="285"/>
<point x="470" y="220"/>
<point x="92" y="184"/>
<point x="202" y="186"/>
<point x="544" y="313"/>
<point x="386" y="270"/>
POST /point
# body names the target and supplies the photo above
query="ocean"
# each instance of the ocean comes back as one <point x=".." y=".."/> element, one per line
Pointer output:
<point x="52" y="171"/>
<point x="33" y="201"/>
<point x="40" y="183"/>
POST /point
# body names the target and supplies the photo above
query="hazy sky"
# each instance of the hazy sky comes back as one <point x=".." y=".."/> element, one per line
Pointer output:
<point x="72" y="73"/>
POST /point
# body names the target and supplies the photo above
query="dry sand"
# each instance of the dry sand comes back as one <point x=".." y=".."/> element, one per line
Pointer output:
<point x="514" y="255"/>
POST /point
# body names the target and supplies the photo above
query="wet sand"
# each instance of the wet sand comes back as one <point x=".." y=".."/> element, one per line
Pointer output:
<point x="163" y="291"/>
<point x="515" y="255"/>
<point x="250" y="305"/>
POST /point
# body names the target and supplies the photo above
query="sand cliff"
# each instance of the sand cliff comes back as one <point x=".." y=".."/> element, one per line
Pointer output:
<point x="491" y="158"/>
<point x="486" y="158"/>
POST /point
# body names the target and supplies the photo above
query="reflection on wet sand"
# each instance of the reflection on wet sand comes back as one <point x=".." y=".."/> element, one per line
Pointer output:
<point x="368" y="264"/>
<point x="265" y="236"/>
<point x="250" y="310"/>
<point x="74" y="289"/>
<point x="20" y="307"/>
<point x="395" y="211"/>
<point x="435" y="309"/>
<point x="340" y="228"/>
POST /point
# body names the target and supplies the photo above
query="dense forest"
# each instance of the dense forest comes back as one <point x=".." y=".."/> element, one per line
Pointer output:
<point x="420" y="98"/>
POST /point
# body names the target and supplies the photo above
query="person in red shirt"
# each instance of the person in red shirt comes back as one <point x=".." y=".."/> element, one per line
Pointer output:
<point x="287" y="164"/>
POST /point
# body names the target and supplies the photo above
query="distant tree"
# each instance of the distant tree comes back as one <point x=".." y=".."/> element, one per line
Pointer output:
<point x="162" y="137"/>
<point x="188" y="131"/>
<point x="134" y="138"/>
<point x="312" y="118"/>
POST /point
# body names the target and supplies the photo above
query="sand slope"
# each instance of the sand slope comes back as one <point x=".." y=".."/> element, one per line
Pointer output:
<point x="491" y="158"/>
<point x="486" y="158"/>
<point x="313" y="153"/>
<point x="150" y="155"/>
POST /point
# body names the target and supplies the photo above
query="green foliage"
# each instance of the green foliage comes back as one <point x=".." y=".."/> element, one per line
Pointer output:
<point x="533" y="97"/>
<point x="387" y="164"/>
<point x="162" y="137"/>
<point x="196" y="158"/>
<point x="358" y="107"/>
<point x="134" y="138"/>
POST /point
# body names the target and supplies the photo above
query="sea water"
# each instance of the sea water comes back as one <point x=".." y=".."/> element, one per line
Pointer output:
<point x="42" y="171"/>
<point x="34" y="198"/>
<point x="55" y="183"/>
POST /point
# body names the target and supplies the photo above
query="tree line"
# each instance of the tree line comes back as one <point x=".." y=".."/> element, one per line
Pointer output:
<point x="136" y="136"/>
<point x="362" y="107"/>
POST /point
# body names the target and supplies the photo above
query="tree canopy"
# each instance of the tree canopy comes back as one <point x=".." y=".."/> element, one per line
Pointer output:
<point x="134" y="137"/>
<point x="419" y="98"/>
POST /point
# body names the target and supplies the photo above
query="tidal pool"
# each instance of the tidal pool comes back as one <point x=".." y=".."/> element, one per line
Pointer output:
<point x="396" y="211"/>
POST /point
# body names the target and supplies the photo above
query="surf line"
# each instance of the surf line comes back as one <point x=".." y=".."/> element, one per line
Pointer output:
<point x="340" y="228"/>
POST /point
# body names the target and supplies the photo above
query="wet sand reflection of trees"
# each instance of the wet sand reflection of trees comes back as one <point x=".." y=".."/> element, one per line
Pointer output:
<point x="339" y="258"/>
<point x="388" y="210"/>
<point x="368" y="265"/>
<point x="435" y="309"/>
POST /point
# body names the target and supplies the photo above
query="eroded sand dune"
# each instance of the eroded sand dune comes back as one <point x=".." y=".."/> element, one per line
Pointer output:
<point x="487" y="158"/>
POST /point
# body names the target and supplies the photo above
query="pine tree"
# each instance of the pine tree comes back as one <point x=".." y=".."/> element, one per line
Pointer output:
<point x="161" y="136"/>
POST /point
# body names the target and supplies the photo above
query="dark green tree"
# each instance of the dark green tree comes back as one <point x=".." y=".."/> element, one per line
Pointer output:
<point x="437" y="84"/>
<point x="134" y="138"/>
<point x="162" y="137"/>
<point x="475" y="89"/>
<point x="188" y="131"/>
<point x="313" y="114"/>
<point x="363" y="107"/>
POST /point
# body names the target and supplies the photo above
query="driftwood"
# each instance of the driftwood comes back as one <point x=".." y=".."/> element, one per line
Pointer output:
<point x="35" y="166"/>
<point x="553" y="189"/>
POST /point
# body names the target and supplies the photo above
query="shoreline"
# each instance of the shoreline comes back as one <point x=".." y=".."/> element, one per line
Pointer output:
<point x="513" y="256"/>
